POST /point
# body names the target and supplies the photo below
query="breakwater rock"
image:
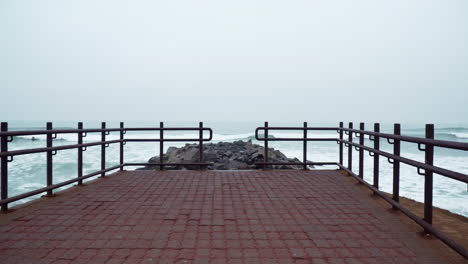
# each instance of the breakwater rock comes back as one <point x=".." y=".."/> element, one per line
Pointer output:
<point x="238" y="155"/>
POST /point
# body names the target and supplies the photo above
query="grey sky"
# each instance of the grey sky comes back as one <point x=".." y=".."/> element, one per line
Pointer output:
<point x="240" y="60"/>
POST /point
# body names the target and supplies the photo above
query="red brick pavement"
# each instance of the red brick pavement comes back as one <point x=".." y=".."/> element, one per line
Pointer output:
<point x="212" y="217"/>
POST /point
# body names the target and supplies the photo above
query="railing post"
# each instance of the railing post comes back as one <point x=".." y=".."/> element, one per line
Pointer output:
<point x="161" y="146"/>
<point x="49" y="158"/>
<point x="80" y="153"/>
<point x="429" y="160"/>
<point x="103" y="149"/>
<point x="350" y="148"/>
<point x="200" y="148"/>
<point x="305" y="146"/>
<point x="121" y="160"/>
<point x="341" y="143"/>
<point x="4" y="166"/>
<point x="265" y="154"/>
<point x="396" y="165"/>
<point x="361" y="151"/>
<point x="376" y="156"/>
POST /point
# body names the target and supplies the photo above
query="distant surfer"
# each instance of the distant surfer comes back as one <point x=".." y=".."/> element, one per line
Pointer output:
<point x="33" y="139"/>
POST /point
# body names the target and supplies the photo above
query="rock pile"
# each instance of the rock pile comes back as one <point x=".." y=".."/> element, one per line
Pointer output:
<point x="238" y="155"/>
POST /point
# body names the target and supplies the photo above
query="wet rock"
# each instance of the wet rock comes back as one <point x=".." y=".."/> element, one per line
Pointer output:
<point x="238" y="155"/>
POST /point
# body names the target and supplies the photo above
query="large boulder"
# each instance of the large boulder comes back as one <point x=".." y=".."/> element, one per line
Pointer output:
<point x="238" y="155"/>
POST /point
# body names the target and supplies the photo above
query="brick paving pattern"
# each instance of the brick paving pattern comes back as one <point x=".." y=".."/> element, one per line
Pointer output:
<point x="211" y="217"/>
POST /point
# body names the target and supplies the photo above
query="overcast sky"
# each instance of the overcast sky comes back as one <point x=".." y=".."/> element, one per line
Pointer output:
<point x="243" y="60"/>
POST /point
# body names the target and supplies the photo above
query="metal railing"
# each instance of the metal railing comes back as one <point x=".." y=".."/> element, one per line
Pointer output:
<point x="305" y="163"/>
<point x="426" y="168"/>
<point x="50" y="150"/>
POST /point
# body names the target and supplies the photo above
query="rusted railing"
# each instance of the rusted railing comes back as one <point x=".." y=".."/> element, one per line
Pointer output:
<point x="51" y="134"/>
<point x="305" y="163"/>
<point x="426" y="168"/>
<point x="426" y="145"/>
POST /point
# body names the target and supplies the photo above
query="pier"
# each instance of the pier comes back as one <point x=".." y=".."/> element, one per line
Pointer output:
<point x="204" y="216"/>
<point x="215" y="217"/>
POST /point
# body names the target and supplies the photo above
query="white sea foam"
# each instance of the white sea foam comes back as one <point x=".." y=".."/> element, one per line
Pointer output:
<point x="92" y="137"/>
<point x="217" y="137"/>
<point x="301" y="135"/>
<point x="29" y="186"/>
<point x="460" y="135"/>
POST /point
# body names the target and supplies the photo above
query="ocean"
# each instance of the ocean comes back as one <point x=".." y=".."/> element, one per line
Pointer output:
<point x="28" y="172"/>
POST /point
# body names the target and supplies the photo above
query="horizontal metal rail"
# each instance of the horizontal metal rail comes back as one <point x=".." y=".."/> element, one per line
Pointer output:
<point x="55" y="186"/>
<point x="428" y="227"/>
<point x="64" y="147"/>
<point x="298" y="139"/>
<point x="74" y="146"/>
<point x="448" y="173"/>
<point x="167" y="140"/>
<point x="169" y="129"/>
<point x="55" y="131"/>
<point x="298" y="163"/>
<point x="97" y="130"/>
<point x="167" y="164"/>
<point x="210" y="164"/>
<point x="296" y="128"/>
<point x="424" y="141"/>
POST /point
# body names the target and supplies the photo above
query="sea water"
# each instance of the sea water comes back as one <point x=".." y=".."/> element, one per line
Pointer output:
<point x="28" y="172"/>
